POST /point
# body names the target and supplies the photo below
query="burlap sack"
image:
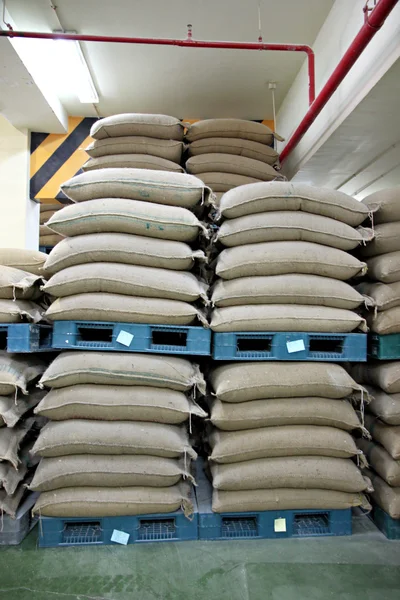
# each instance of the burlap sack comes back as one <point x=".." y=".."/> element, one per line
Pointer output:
<point x="17" y="371"/>
<point x="385" y="268"/>
<point x="116" y="368"/>
<point x="286" y="289"/>
<point x="100" y="471"/>
<point x="386" y="239"/>
<point x="11" y="409"/>
<point x="283" y="195"/>
<point x="285" y="499"/>
<point x="282" y="411"/>
<point x="385" y="322"/>
<point x="49" y="241"/>
<point x="118" y="403"/>
<point x="285" y="317"/>
<point x="113" y="502"/>
<point x="126" y="216"/>
<point x="305" y="472"/>
<point x="291" y="226"/>
<point x="229" y="163"/>
<point x="388" y="498"/>
<point x="222" y="182"/>
<point x="385" y="204"/>
<point x="80" y="436"/>
<point x="238" y="147"/>
<point x="17" y="284"/>
<point x="10" y="478"/>
<point x="126" y="124"/>
<point x="10" y="440"/>
<point x="128" y="280"/>
<point x="168" y="149"/>
<point x="291" y="440"/>
<point x="44" y="231"/>
<point x="132" y="161"/>
<point x="387" y="435"/>
<point x="385" y="375"/>
<point x="231" y="128"/>
<point x="381" y="461"/>
<point x="384" y="296"/>
<point x="124" y="309"/>
<point x="16" y="311"/>
<point x="279" y="258"/>
<point x="384" y="406"/>
<point x="240" y="382"/>
<point x="121" y="248"/>
<point x="10" y="504"/>
<point x="158" y="187"/>
<point x="31" y="261"/>
<point x="47" y="211"/>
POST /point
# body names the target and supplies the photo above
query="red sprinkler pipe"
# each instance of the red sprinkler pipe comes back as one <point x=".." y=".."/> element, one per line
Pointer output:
<point x="189" y="42"/>
<point x="373" y="20"/>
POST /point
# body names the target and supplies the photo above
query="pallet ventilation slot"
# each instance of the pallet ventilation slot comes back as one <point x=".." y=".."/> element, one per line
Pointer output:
<point x="254" y="344"/>
<point x="329" y="346"/>
<point x="91" y="334"/>
<point x="169" y="338"/>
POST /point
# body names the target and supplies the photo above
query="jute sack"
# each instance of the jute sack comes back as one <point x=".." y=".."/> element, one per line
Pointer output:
<point x="385" y="268"/>
<point x="384" y="406"/>
<point x="132" y="161"/>
<point x="121" y="248"/>
<point x="280" y="258"/>
<point x="127" y="216"/>
<point x="116" y="368"/>
<point x="118" y="403"/>
<point x="385" y="375"/>
<point x="10" y="504"/>
<point x="285" y="317"/>
<point x="385" y="204"/>
<point x="286" y="289"/>
<point x="10" y="440"/>
<point x="291" y="226"/>
<point x="12" y="410"/>
<point x="124" y="309"/>
<point x="239" y="147"/>
<point x="15" y="311"/>
<point x="10" y="477"/>
<point x="387" y="435"/>
<point x="290" y="440"/>
<point x="385" y="322"/>
<point x="82" y="470"/>
<point x="129" y="280"/>
<point x="229" y="163"/>
<point x="31" y="261"/>
<point x="168" y="149"/>
<point x="160" y="187"/>
<point x="222" y="182"/>
<point x="113" y="502"/>
<point x="384" y="296"/>
<point x="381" y="461"/>
<point x="50" y="240"/>
<point x="231" y="128"/>
<point x="282" y="411"/>
<point x="80" y="436"/>
<point x="240" y="382"/>
<point x="386" y="239"/>
<point x="17" y="284"/>
<point x="48" y="210"/>
<point x="305" y="472"/>
<point x="283" y="195"/>
<point x="388" y="498"/>
<point x="44" y="231"/>
<point x="16" y="372"/>
<point x="285" y="499"/>
<point x="126" y="124"/>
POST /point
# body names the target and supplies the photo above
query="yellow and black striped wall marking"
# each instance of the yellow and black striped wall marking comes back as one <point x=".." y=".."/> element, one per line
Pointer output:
<point x="56" y="158"/>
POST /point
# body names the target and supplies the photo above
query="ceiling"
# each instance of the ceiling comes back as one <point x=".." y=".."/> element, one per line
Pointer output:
<point x="187" y="83"/>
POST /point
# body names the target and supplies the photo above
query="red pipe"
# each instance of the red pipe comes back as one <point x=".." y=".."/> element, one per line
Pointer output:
<point x="188" y="43"/>
<point x="373" y="22"/>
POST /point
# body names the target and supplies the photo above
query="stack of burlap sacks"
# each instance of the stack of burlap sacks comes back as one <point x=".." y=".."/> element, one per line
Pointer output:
<point x="226" y="153"/>
<point x="47" y="237"/>
<point x="287" y="259"/>
<point x="117" y="441"/>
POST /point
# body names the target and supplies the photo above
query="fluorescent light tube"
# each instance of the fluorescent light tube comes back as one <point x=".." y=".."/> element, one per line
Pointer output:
<point x="73" y="67"/>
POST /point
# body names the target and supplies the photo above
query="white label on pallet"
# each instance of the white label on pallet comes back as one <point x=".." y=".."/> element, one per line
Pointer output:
<point x="279" y="525"/>
<point x="120" y="537"/>
<point x="295" y="346"/>
<point x="125" y="338"/>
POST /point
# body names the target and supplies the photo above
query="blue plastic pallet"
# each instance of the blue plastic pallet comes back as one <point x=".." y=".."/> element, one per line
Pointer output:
<point x="384" y="347"/>
<point x="25" y="337"/>
<point x="272" y="524"/>
<point x="75" y="531"/>
<point x="132" y="337"/>
<point x="389" y="526"/>
<point x="46" y="249"/>
<point x="275" y="345"/>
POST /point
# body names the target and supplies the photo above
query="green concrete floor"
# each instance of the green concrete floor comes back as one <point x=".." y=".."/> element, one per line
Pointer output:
<point x="365" y="566"/>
